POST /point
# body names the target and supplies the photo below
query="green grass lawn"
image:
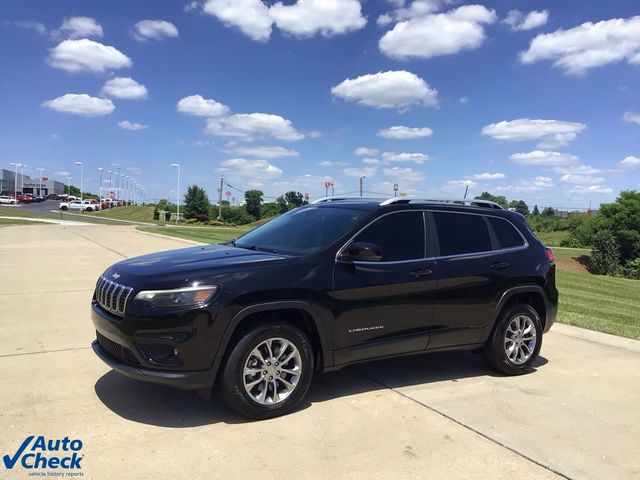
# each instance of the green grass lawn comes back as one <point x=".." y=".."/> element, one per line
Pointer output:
<point x="142" y="213"/>
<point x="18" y="221"/>
<point x="552" y="239"/>
<point x="205" y="234"/>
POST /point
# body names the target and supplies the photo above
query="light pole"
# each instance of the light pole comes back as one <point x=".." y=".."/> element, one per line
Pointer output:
<point x="40" y="170"/>
<point x="125" y="182"/>
<point x="100" y="169"/>
<point x="15" y="180"/>
<point x="177" y="165"/>
<point x="361" y="179"/>
<point x="110" y="185"/>
<point x="69" y="185"/>
<point x="117" y="174"/>
<point x="22" y="178"/>
<point x="81" y="179"/>
<point x="119" y="185"/>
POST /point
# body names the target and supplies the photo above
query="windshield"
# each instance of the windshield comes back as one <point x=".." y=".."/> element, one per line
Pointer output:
<point x="301" y="231"/>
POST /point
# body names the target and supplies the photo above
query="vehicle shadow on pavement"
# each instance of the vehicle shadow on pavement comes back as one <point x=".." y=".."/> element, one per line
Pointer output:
<point x="168" y="407"/>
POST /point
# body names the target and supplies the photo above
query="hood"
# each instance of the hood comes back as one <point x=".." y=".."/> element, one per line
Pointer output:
<point x="187" y="264"/>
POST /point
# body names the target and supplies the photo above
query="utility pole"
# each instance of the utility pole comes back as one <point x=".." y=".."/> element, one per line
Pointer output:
<point x="220" y="198"/>
<point x="361" y="179"/>
<point x="395" y="189"/>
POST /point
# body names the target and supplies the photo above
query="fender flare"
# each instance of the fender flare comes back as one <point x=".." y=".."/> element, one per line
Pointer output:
<point x="270" y="306"/>
<point x="504" y="298"/>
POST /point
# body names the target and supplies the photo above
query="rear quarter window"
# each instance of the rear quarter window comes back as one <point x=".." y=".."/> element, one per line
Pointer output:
<point x="460" y="233"/>
<point x="507" y="234"/>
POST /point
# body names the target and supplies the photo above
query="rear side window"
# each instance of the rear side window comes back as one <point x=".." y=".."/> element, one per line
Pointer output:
<point x="460" y="233"/>
<point x="400" y="235"/>
<point x="507" y="235"/>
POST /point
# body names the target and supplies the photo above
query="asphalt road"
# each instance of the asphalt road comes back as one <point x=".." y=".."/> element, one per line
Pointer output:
<point x="440" y="416"/>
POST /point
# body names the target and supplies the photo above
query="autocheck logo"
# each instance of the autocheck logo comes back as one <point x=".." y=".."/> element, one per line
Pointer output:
<point x="40" y="453"/>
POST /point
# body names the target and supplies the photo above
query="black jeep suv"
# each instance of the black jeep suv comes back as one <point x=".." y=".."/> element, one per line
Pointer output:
<point x="339" y="281"/>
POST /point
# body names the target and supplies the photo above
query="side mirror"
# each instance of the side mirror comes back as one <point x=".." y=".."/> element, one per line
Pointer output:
<point x="363" y="251"/>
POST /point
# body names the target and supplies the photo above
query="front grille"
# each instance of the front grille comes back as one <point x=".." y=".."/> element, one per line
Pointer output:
<point x="112" y="296"/>
<point x="116" y="351"/>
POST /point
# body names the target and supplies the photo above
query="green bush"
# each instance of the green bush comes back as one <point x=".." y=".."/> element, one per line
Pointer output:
<point x="191" y="221"/>
<point x="605" y="254"/>
<point x="631" y="269"/>
<point x="570" y="243"/>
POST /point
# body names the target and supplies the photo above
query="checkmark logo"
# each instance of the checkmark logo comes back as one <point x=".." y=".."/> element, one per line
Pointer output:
<point x="10" y="462"/>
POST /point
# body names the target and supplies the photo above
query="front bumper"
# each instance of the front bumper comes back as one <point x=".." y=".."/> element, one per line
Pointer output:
<point x="184" y="380"/>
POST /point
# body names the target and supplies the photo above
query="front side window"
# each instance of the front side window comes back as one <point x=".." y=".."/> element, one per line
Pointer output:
<point x="399" y="235"/>
<point x="460" y="233"/>
<point x="507" y="235"/>
<point x="302" y="231"/>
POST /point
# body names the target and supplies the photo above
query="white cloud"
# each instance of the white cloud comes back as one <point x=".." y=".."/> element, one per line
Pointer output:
<point x="550" y="133"/>
<point x="400" y="132"/>
<point x="416" y="8"/>
<point x="306" y="18"/>
<point x="81" y="27"/>
<point x="154" y="29"/>
<point x="85" y="54"/>
<point x="458" y="186"/>
<point x="632" y="117"/>
<point x="370" y="161"/>
<point x="62" y="173"/>
<point x="393" y="89"/>
<point x="542" y="158"/>
<point x="265" y="151"/>
<point x="314" y="134"/>
<point x="249" y="126"/>
<point x="630" y="162"/>
<point x="527" y="185"/>
<point x="127" y="125"/>
<point x="489" y="176"/>
<point x="588" y="46"/>
<point x="81" y="104"/>
<point x="406" y="174"/>
<point x="360" y="172"/>
<point x="389" y="157"/>
<point x="464" y="100"/>
<point x="135" y="170"/>
<point x="364" y="151"/>
<point x="327" y="163"/>
<point x="438" y="34"/>
<point x="201" y="107"/>
<point x="250" y="16"/>
<point x="124" y="87"/>
<point x="32" y="25"/>
<point x="596" y="189"/>
<point x="250" y="169"/>
<point x="203" y="143"/>
<point x="519" y="21"/>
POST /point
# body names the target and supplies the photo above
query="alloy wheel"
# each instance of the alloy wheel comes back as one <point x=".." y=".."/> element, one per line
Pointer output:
<point x="520" y="339"/>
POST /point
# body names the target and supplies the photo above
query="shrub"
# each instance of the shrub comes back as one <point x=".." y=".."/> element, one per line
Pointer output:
<point x="191" y="221"/>
<point x="570" y="243"/>
<point x="605" y="254"/>
<point x="631" y="269"/>
<point x="156" y="214"/>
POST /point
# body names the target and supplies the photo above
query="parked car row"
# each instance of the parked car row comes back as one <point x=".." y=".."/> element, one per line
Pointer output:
<point x="21" y="198"/>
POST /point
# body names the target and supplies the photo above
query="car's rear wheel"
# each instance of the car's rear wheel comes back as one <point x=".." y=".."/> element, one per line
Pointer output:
<point x="64" y="208"/>
<point x="515" y="342"/>
<point x="268" y="371"/>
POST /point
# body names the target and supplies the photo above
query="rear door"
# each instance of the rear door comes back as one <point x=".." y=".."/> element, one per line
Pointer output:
<point x="385" y="308"/>
<point x="470" y="278"/>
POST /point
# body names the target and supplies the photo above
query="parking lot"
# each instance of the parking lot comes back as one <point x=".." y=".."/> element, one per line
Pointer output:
<point x="435" y="416"/>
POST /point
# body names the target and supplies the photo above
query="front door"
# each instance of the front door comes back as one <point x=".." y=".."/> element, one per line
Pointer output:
<point x="385" y="308"/>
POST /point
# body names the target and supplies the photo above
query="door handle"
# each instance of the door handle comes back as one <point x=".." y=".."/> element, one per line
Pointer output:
<point x="421" y="273"/>
<point x="500" y="265"/>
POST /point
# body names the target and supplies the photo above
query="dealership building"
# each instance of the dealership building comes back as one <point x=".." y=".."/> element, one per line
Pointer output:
<point x="26" y="184"/>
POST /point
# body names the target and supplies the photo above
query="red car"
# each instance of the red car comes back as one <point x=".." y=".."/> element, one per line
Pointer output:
<point x="23" y="198"/>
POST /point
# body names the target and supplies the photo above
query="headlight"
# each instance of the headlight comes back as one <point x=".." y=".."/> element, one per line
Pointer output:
<point x="179" y="297"/>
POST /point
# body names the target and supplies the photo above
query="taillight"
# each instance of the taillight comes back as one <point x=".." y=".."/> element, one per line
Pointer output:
<point x="550" y="256"/>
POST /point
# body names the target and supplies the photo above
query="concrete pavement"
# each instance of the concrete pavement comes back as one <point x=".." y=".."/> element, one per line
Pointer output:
<point x="435" y="416"/>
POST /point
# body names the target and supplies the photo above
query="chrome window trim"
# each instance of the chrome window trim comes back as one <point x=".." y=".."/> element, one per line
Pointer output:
<point x="524" y="246"/>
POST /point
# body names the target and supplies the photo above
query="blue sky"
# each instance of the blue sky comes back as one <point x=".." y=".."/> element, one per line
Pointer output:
<point x="535" y="100"/>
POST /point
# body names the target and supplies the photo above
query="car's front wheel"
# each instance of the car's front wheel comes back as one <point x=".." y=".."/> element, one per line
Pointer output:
<point x="64" y="208"/>
<point x="268" y="371"/>
<point x="515" y="342"/>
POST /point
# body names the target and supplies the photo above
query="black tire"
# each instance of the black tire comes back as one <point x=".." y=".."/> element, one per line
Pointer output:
<point x="233" y="388"/>
<point x="64" y="208"/>
<point x="495" y="351"/>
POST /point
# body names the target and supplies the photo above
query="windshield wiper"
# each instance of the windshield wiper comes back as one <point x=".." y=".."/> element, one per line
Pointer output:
<point x="256" y="248"/>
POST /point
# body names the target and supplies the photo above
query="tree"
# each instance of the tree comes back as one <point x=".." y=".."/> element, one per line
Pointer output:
<point x="270" y="210"/>
<point x="282" y="205"/>
<point x="605" y="256"/>
<point x="535" y="210"/>
<point x="500" y="199"/>
<point x="253" y="201"/>
<point x="521" y="207"/>
<point x="294" y="199"/>
<point x="196" y="204"/>
<point x="623" y="219"/>
<point x="548" y="211"/>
